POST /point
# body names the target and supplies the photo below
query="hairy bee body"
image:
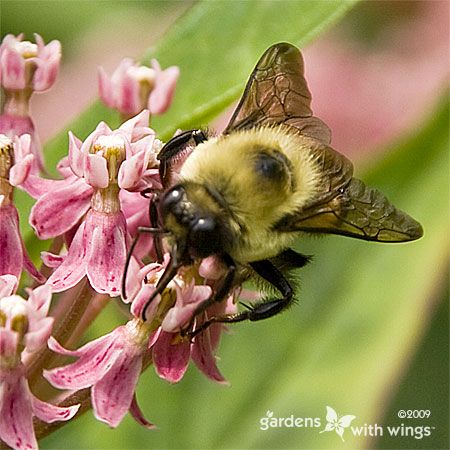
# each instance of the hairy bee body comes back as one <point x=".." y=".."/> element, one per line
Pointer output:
<point x="259" y="176"/>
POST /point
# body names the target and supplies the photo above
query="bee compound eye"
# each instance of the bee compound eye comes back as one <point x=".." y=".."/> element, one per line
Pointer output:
<point x="171" y="199"/>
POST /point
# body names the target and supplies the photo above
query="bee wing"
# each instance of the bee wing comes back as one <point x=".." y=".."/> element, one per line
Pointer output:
<point x="356" y="211"/>
<point x="277" y="93"/>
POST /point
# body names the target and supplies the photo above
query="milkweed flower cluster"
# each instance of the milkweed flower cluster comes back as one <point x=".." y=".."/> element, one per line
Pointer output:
<point x="90" y="214"/>
<point x="24" y="329"/>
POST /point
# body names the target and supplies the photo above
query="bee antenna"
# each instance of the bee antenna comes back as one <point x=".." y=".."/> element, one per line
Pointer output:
<point x="140" y="230"/>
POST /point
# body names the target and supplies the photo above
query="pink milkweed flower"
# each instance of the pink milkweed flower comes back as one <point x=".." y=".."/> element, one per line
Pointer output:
<point x="132" y="88"/>
<point x="15" y="165"/>
<point x="25" y="68"/>
<point x="24" y="65"/>
<point x="106" y="162"/>
<point x="171" y="353"/>
<point x="24" y="328"/>
<point x="111" y="365"/>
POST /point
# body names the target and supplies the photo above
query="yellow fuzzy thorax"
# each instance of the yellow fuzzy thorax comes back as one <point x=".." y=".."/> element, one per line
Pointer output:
<point x="226" y="164"/>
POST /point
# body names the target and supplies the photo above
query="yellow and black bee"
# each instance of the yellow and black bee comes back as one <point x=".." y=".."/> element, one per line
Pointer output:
<point x="246" y="196"/>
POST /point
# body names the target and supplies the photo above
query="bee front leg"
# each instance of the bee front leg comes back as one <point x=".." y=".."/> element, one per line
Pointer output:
<point x="262" y="310"/>
<point x="174" y="147"/>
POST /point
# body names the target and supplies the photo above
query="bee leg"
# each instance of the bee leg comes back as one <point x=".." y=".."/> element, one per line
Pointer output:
<point x="263" y="310"/>
<point x="270" y="273"/>
<point x="167" y="276"/>
<point x="175" y="146"/>
<point x="153" y="214"/>
<point x="151" y="230"/>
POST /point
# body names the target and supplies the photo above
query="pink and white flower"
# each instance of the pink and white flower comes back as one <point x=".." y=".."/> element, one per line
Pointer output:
<point x="25" y="68"/>
<point x="95" y="172"/>
<point x="24" y="64"/>
<point x="132" y="87"/>
<point x="15" y="165"/>
<point x="24" y="328"/>
<point x="112" y="363"/>
<point x="170" y="352"/>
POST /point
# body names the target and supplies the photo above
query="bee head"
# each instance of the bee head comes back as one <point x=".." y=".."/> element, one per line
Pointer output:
<point x="192" y="217"/>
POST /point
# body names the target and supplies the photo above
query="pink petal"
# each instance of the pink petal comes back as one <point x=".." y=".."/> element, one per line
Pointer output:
<point x="105" y="88"/>
<point x="131" y="170"/>
<point x="59" y="210"/>
<point x="96" y="171"/>
<point x="50" y="413"/>
<point x="204" y="358"/>
<point x="16" y="426"/>
<point x="171" y="360"/>
<point x="40" y="299"/>
<point x="13" y="69"/>
<point x="8" y="285"/>
<point x="37" y="187"/>
<point x="20" y="171"/>
<point x="178" y="317"/>
<point x="138" y="416"/>
<point x="96" y="359"/>
<point x="72" y="270"/>
<point x="36" y="339"/>
<point x="139" y="121"/>
<point x="215" y="330"/>
<point x="11" y="259"/>
<point x="30" y="267"/>
<point x="56" y="347"/>
<point x="63" y="167"/>
<point x="107" y="251"/>
<point x="9" y="340"/>
<point x="141" y="299"/>
<point x="127" y="96"/>
<point x="51" y="260"/>
<point x="22" y="147"/>
<point x="101" y="129"/>
<point x="76" y="157"/>
<point x="113" y="394"/>
<point x="188" y="299"/>
<point x="47" y="65"/>
<point x="161" y="97"/>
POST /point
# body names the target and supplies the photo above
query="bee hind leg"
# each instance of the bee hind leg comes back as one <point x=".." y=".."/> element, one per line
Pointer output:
<point x="262" y="310"/>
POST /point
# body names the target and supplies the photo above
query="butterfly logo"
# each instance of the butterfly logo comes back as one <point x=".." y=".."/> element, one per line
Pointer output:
<point x="336" y="423"/>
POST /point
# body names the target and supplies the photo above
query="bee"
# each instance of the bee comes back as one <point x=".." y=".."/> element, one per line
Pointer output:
<point x="247" y="195"/>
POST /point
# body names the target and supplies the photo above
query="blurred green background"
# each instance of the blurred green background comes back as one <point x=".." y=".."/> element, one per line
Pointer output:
<point x="370" y="333"/>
